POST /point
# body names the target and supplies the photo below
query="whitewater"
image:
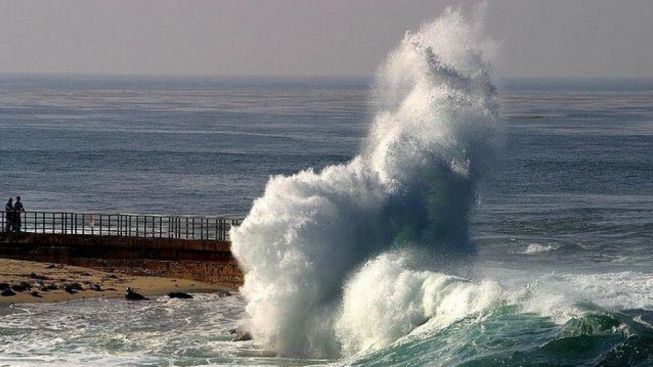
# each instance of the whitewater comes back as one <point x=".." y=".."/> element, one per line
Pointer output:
<point x="317" y="244"/>
<point x="346" y="261"/>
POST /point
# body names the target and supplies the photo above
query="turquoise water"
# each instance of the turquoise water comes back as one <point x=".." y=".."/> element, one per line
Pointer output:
<point x="562" y="223"/>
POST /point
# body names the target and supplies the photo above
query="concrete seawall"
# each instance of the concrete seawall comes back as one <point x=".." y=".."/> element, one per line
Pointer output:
<point x="204" y="260"/>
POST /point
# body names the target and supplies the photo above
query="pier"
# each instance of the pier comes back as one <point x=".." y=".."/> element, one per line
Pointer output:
<point x="188" y="247"/>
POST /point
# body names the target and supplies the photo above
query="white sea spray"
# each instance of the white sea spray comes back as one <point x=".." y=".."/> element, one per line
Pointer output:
<point x="411" y="187"/>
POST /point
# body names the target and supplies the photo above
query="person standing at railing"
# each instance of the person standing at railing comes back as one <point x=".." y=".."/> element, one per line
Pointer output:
<point x="9" y="215"/>
<point x="18" y="209"/>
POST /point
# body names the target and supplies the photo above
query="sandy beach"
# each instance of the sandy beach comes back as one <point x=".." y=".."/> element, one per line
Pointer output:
<point x="34" y="282"/>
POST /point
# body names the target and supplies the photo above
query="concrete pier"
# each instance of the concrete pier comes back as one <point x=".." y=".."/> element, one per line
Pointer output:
<point x="197" y="259"/>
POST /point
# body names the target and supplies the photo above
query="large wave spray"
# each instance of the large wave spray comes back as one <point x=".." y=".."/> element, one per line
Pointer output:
<point x="314" y="246"/>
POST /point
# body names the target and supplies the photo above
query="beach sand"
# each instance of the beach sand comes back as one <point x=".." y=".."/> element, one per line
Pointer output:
<point x="41" y="275"/>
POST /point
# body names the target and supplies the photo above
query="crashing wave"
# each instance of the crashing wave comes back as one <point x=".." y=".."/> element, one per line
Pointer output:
<point x="314" y="246"/>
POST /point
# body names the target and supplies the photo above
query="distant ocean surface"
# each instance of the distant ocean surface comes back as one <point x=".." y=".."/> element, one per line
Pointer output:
<point x="168" y="146"/>
<point x="569" y="197"/>
<point x="574" y="170"/>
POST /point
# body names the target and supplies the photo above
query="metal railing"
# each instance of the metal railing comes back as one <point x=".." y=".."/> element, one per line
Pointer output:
<point x="126" y="225"/>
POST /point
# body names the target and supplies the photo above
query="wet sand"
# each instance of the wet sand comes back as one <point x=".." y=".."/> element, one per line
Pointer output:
<point x="43" y="278"/>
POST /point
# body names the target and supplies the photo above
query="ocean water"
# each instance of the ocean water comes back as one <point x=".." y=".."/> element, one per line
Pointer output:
<point x="165" y="146"/>
<point x="539" y="255"/>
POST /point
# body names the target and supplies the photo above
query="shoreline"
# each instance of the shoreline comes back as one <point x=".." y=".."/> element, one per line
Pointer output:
<point x="52" y="282"/>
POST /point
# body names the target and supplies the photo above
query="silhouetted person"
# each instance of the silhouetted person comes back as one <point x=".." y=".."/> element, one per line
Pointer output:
<point x="18" y="209"/>
<point x="9" y="215"/>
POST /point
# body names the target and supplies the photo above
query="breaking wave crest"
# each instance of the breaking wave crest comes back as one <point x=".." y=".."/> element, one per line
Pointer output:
<point x="340" y="261"/>
<point x="536" y="248"/>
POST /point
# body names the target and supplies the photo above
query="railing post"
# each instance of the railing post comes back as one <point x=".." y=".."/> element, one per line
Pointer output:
<point x="201" y="227"/>
<point x="218" y="230"/>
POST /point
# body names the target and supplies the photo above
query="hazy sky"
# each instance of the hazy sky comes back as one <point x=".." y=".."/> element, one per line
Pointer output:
<point x="301" y="37"/>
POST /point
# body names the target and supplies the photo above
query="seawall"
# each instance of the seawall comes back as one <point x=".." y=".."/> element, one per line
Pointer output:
<point x="205" y="260"/>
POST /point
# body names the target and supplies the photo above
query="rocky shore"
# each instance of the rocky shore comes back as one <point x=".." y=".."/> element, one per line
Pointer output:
<point x="35" y="282"/>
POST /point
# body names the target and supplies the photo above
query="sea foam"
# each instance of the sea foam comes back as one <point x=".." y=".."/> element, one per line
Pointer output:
<point x="329" y="256"/>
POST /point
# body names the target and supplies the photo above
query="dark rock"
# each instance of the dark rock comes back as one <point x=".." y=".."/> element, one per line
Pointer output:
<point x="112" y="276"/>
<point x="96" y="287"/>
<point x="179" y="295"/>
<point x="72" y="288"/>
<point x="85" y="274"/>
<point x="7" y="293"/>
<point x="21" y="286"/>
<point x="133" y="296"/>
<point x="35" y="294"/>
<point x="224" y="293"/>
<point x="239" y="335"/>
<point x="36" y="276"/>
<point x="50" y="266"/>
<point x="4" y="286"/>
<point x="49" y="287"/>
